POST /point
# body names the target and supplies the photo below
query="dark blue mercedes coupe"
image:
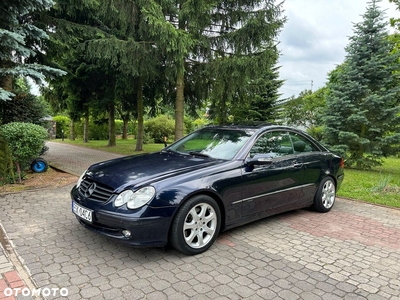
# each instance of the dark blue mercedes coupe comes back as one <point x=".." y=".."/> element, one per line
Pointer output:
<point x="214" y="179"/>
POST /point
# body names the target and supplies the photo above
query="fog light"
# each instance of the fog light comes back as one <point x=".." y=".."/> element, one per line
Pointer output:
<point x="126" y="233"/>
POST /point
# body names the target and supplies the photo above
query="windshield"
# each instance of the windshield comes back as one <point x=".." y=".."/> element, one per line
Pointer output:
<point x="212" y="142"/>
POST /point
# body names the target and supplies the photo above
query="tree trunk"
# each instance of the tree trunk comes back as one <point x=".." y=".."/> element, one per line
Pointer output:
<point x="72" y="130"/>
<point x="111" y="125"/>
<point x="140" y="130"/>
<point x="222" y="111"/>
<point x="125" y="119"/>
<point x="179" y="104"/>
<point x="86" y="127"/>
<point x="361" y="148"/>
<point x="125" y="128"/>
<point x="6" y="82"/>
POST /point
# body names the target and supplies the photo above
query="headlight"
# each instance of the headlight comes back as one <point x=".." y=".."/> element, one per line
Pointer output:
<point x="80" y="179"/>
<point x="135" y="199"/>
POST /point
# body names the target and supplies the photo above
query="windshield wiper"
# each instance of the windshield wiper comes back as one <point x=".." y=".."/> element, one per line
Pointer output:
<point x="168" y="151"/>
<point x="199" y="154"/>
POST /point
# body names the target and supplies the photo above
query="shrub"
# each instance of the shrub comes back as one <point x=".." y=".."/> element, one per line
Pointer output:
<point x="25" y="141"/>
<point x="199" y="123"/>
<point x="6" y="167"/>
<point x="148" y="139"/>
<point x="62" y="123"/>
<point x="159" y="127"/>
<point x="189" y="125"/>
<point x="98" y="130"/>
<point x="25" y="108"/>
<point x="316" y="132"/>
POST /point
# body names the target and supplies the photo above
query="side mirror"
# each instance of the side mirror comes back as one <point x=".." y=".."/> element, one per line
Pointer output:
<point x="260" y="159"/>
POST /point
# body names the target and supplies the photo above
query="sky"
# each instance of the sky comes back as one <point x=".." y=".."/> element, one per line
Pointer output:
<point x="314" y="37"/>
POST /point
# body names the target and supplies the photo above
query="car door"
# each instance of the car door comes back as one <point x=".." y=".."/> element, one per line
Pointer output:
<point x="274" y="185"/>
<point x="312" y="159"/>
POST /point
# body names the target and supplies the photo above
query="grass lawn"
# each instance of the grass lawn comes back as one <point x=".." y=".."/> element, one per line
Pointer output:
<point x="380" y="185"/>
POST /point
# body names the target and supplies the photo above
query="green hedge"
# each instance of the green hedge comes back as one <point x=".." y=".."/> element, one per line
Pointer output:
<point x="98" y="129"/>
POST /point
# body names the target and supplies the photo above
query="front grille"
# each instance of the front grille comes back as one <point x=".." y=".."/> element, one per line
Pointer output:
<point x="95" y="191"/>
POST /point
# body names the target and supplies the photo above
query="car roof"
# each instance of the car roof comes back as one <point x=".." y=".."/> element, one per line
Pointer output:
<point x="259" y="128"/>
<point x="253" y="127"/>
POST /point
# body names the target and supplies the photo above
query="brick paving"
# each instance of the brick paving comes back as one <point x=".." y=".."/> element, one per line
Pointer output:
<point x="10" y="281"/>
<point x="352" y="252"/>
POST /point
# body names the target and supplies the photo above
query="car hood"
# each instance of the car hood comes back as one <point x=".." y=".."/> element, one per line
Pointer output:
<point x="144" y="169"/>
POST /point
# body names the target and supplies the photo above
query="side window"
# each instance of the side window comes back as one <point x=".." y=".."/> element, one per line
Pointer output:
<point x="273" y="144"/>
<point x="301" y="144"/>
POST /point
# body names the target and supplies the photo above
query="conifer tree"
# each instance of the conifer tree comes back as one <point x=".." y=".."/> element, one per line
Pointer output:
<point x="188" y="47"/>
<point x="244" y="56"/>
<point x="21" y="43"/>
<point x="235" y="40"/>
<point x="259" y="99"/>
<point x="362" y="105"/>
<point x="109" y="37"/>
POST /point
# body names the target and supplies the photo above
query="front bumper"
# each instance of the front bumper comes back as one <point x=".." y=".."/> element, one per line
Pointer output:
<point x="149" y="231"/>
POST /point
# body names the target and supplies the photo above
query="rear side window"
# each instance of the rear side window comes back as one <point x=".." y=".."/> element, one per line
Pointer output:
<point x="301" y="144"/>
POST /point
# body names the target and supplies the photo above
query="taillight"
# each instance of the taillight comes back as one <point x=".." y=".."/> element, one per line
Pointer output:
<point x="342" y="163"/>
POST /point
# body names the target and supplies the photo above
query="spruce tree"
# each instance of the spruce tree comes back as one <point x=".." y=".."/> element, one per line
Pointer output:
<point x="106" y="42"/>
<point x="234" y="41"/>
<point x="362" y="104"/>
<point x="258" y="100"/>
<point x="243" y="56"/>
<point x="21" y="43"/>
<point x="187" y="48"/>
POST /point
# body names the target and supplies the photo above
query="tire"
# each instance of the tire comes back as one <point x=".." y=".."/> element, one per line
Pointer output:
<point x="325" y="197"/>
<point x="39" y="165"/>
<point x="196" y="225"/>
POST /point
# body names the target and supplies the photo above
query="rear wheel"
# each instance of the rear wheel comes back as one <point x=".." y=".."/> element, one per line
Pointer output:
<point x="196" y="225"/>
<point x="39" y="165"/>
<point x="325" y="196"/>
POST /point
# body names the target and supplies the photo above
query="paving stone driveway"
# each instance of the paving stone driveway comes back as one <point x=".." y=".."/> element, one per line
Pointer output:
<point x="353" y="252"/>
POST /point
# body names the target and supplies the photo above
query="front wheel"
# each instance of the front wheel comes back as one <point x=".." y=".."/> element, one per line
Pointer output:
<point x="39" y="165"/>
<point x="325" y="196"/>
<point x="196" y="225"/>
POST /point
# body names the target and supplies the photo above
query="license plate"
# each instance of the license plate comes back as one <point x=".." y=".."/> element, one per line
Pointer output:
<point x="82" y="212"/>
